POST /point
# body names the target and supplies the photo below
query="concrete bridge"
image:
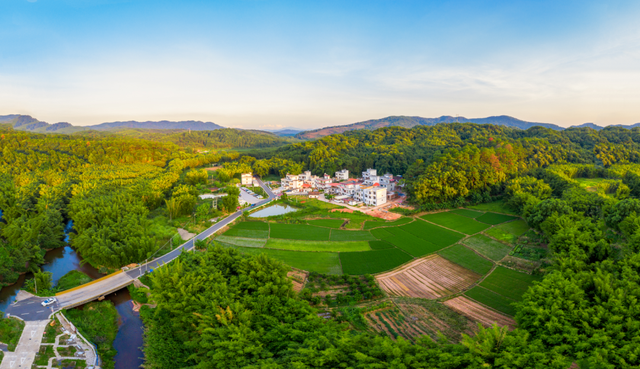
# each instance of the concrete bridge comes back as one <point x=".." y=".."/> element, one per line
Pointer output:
<point x="31" y="310"/>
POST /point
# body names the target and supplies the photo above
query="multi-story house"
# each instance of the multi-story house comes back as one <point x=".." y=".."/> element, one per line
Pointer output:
<point x="291" y="182"/>
<point x="246" y="179"/>
<point x="371" y="195"/>
<point x="369" y="173"/>
<point x="342" y="175"/>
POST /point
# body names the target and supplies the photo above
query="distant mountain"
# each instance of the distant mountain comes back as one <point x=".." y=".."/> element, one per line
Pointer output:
<point x="588" y="125"/>
<point x="285" y="132"/>
<point x="408" y="122"/>
<point x="28" y="123"/>
<point x="163" y="124"/>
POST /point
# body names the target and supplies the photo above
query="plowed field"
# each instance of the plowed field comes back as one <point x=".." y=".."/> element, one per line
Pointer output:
<point x="479" y="313"/>
<point x="431" y="277"/>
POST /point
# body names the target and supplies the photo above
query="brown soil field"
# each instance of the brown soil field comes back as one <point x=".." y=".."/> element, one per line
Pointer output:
<point x="431" y="277"/>
<point x="479" y="313"/>
<point x="383" y="215"/>
<point x="298" y="278"/>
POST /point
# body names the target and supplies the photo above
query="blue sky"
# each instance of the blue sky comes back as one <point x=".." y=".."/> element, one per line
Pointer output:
<point x="269" y="64"/>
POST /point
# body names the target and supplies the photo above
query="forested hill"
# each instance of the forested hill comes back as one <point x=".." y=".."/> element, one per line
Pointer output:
<point x="217" y="139"/>
<point x="408" y="122"/>
<point x="29" y="123"/>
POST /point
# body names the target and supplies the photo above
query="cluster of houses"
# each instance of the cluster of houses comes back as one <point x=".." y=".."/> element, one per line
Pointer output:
<point x="371" y="189"/>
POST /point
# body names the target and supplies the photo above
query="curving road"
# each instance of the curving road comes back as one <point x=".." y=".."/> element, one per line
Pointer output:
<point x="31" y="309"/>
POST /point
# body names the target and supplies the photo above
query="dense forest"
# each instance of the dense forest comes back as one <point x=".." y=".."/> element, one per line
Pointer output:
<point x="105" y="185"/>
<point x="217" y="139"/>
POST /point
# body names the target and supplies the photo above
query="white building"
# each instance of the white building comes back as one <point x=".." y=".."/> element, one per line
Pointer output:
<point x="372" y="195"/>
<point x="246" y="179"/>
<point x="367" y="174"/>
<point x="342" y="175"/>
<point x="291" y="182"/>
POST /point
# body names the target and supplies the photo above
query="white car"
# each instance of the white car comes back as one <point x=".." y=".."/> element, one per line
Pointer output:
<point x="49" y="301"/>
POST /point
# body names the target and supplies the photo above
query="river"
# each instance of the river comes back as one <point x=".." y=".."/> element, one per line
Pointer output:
<point x="129" y="338"/>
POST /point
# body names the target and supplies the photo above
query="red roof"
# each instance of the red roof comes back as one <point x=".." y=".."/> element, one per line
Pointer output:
<point x="376" y="184"/>
<point x="306" y="185"/>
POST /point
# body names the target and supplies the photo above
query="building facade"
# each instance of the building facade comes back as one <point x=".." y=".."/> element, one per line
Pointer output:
<point x="246" y="179"/>
<point x="342" y="175"/>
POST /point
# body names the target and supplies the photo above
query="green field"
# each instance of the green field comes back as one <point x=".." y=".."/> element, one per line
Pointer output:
<point x="331" y="223"/>
<point x="369" y="224"/>
<point x="381" y="233"/>
<point x="370" y="262"/>
<point x="297" y="245"/>
<point x="342" y="235"/>
<point x="432" y="233"/>
<point x="246" y="233"/>
<point x="494" y="218"/>
<point x="492" y="249"/>
<point x="497" y="206"/>
<point x="321" y="262"/>
<point x="492" y="299"/>
<point x="509" y="283"/>
<point x="466" y="258"/>
<point x="456" y="222"/>
<point x="380" y="245"/>
<point x="253" y="225"/>
<point x="410" y="243"/>
<point x="237" y="241"/>
<point x="508" y="232"/>
<point x="299" y="232"/>
<point x="468" y="213"/>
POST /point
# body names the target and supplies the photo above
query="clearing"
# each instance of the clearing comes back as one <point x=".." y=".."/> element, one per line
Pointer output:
<point x="431" y="277"/>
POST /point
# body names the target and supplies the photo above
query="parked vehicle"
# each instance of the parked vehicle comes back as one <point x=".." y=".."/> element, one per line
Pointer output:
<point x="49" y="301"/>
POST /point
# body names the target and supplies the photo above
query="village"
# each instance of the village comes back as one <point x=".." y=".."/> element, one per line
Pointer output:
<point x="370" y="189"/>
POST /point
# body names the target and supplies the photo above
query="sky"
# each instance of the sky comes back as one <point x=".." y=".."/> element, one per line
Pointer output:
<point x="308" y="64"/>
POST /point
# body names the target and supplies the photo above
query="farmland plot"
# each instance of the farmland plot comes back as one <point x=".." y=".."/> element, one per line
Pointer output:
<point x="342" y="235"/>
<point x="432" y="233"/>
<point x="494" y="218"/>
<point x="330" y="223"/>
<point x="297" y="245"/>
<point x="456" y="222"/>
<point x="410" y="243"/>
<point x="374" y="261"/>
<point x="479" y="313"/>
<point x="299" y="232"/>
<point x="431" y="277"/>
<point x="369" y="224"/>
<point x="492" y="249"/>
<point x="238" y="241"/>
<point x="246" y="233"/>
<point x="468" y="213"/>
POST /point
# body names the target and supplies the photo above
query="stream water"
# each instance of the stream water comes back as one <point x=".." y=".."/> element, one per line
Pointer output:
<point x="129" y="338"/>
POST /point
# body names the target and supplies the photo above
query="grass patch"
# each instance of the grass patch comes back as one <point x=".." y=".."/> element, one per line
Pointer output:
<point x="369" y="224"/>
<point x="246" y="233"/>
<point x="321" y="262"/>
<point x="509" y="283"/>
<point x="508" y="232"/>
<point x="299" y="232"/>
<point x="433" y="233"/>
<point x="466" y="258"/>
<point x="456" y="222"/>
<point x="43" y="355"/>
<point x="246" y="242"/>
<point x="494" y="218"/>
<point x="50" y="332"/>
<point x="374" y="261"/>
<point x="138" y="294"/>
<point x="98" y="322"/>
<point x="341" y="235"/>
<point x="468" y="213"/>
<point x="10" y="331"/>
<point x="497" y="206"/>
<point x="380" y="245"/>
<point x="492" y="249"/>
<point x="330" y="223"/>
<point x="252" y="225"/>
<point x="297" y="245"/>
<point x="492" y="299"/>
<point x="413" y="245"/>
<point x="73" y="278"/>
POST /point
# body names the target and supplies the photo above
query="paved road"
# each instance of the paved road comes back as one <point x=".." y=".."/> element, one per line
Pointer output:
<point x="31" y="309"/>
